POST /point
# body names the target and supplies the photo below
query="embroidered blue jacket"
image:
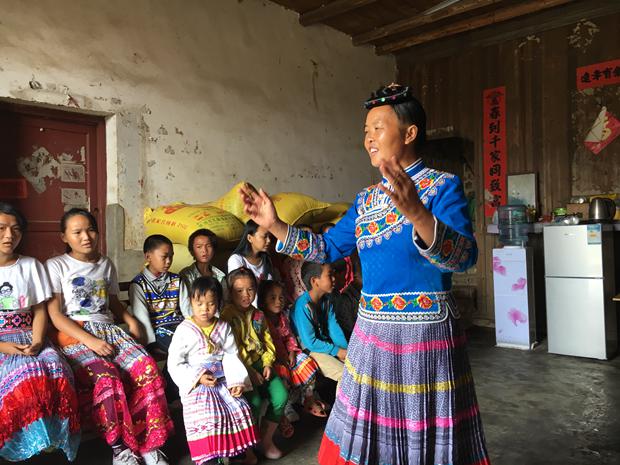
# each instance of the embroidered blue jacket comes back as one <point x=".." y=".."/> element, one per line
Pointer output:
<point x="404" y="280"/>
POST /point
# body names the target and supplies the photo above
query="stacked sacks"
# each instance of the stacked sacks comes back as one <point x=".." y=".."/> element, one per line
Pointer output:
<point x="179" y="220"/>
<point x="226" y="218"/>
<point x="231" y="202"/>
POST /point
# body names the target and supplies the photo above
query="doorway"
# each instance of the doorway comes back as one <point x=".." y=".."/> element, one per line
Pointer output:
<point x="51" y="161"/>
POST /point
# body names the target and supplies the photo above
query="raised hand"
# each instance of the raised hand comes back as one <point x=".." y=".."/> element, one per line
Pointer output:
<point x="258" y="206"/>
<point x="405" y="197"/>
<point x="404" y="194"/>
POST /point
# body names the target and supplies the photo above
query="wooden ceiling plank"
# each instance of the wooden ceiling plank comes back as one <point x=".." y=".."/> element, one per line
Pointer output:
<point x="420" y="20"/>
<point x="476" y="22"/>
<point x="518" y="28"/>
<point x="331" y="10"/>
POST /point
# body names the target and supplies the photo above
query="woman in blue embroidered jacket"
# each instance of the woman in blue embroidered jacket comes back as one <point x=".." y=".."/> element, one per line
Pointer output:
<point x="407" y="393"/>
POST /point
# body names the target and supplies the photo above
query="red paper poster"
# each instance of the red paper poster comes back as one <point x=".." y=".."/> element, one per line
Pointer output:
<point x="605" y="129"/>
<point x="494" y="148"/>
<point x="598" y="75"/>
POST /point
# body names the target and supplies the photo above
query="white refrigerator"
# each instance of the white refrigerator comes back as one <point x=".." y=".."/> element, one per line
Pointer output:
<point x="579" y="281"/>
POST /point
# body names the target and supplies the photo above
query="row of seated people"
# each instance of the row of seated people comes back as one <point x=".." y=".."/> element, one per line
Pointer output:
<point x="87" y="373"/>
<point x="161" y="300"/>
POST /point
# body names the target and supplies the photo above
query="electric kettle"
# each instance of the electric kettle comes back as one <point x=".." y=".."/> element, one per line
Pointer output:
<point x="602" y="209"/>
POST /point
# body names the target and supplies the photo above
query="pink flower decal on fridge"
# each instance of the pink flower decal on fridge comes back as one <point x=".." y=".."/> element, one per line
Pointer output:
<point x="519" y="285"/>
<point x="498" y="267"/>
<point x="517" y="316"/>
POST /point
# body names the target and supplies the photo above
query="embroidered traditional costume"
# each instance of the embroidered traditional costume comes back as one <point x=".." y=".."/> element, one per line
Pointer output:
<point x="157" y="301"/>
<point x="38" y="405"/>
<point x="407" y="393"/>
<point x="305" y="369"/>
<point x="216" y="423"/>
<point x="122" y="396"/>
<point x="257" y="351"/>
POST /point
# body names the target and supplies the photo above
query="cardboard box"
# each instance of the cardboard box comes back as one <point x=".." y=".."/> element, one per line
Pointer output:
<point x="577" y="208"/>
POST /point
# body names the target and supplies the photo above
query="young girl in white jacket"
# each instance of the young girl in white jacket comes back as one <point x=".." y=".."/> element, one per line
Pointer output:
<point x="203" y="362"/>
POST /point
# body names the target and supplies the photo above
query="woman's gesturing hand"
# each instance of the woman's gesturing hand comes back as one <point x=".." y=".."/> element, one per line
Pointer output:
<point x="261" y="209"/>
<point x="405" y="197"/>
<point x="258" y="205"/>
<point x="404" y="194"/>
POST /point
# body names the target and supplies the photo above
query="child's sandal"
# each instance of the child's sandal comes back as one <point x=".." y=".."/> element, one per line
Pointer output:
<point x="286" y="428"/>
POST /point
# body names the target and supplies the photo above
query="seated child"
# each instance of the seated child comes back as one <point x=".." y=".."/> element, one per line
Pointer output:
<point x="292" y="365"/>
<point x="202" y="244"/>
<point x="315" y="323"/>
<point x="38" y="405"/>
<point x="158" y="297"/>
<point x="119" y="388"/>
<point x="258" y="354"/>
<point x="203" y="362"/>
<point x="253" y="253"/>
<point x="289" y="270"/>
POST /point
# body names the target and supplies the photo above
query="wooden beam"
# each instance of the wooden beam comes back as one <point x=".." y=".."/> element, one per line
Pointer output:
<point x="331" y="10"/>
<point x="476" y="22"/>
<point x="509" y="30"/>
<point x="420" y="20"/>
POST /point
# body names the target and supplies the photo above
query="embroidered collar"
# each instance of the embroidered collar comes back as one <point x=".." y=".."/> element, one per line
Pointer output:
<point x="411" y="170"/>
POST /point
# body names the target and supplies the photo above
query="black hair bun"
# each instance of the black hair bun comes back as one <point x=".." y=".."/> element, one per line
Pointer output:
<point x="388" y="95"/>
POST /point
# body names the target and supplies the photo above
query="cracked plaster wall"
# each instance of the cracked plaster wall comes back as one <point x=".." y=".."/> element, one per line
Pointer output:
<point x="198" y="95"/>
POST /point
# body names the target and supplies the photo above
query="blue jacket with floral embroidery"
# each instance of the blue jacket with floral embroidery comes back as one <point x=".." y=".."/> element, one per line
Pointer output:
<point x="404" y="280"/>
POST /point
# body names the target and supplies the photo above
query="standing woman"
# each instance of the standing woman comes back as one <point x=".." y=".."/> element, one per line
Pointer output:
<point x="407" y="394"/>
<point x="38" y="406"/>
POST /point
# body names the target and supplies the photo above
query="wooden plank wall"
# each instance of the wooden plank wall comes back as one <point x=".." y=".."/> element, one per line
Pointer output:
<point x="547" y="117"/>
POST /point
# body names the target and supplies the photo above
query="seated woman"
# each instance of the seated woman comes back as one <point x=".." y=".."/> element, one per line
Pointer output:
<point x="38" y="405"/>
<point x="120" y="389"/>
<point x="252" y="253"/>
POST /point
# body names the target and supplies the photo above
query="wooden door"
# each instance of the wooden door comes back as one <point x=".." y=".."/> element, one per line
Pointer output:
<point x="51" y="161"/>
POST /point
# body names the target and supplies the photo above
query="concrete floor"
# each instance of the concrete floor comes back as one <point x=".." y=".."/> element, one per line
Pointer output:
<point x="537" y="408"/>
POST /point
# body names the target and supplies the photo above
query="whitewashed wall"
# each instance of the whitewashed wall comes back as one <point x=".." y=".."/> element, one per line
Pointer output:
<point x="198" y="94"/>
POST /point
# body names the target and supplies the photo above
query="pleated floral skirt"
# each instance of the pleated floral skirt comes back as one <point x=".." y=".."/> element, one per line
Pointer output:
<point x="38" y="405"/>
<point x="216" y="423"/>
<point x="122" y="396"/>
<point x="302" y="374"/>
<point x="406" y="398"/>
